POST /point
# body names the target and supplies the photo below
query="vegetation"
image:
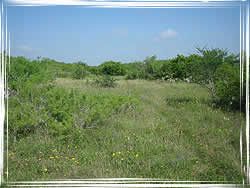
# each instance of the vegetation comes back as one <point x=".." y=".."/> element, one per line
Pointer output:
<point x="80" y="71"/>
<point x="112" y="68"/>
<point x="150" y="119"/>
<point x="105" y="81"/>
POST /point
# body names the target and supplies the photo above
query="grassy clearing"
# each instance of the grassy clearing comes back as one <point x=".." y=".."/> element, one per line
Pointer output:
<point x="174" y="133"/>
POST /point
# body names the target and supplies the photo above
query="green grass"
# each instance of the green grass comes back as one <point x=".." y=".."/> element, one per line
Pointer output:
<point x="174" y="133"/>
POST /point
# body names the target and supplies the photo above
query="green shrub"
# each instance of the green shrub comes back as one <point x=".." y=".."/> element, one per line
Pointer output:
<point x="105" y="81"/>
<point x="59" y="112"/>
<point x="131" y="75"/>
<point x="63" y="74"/>
<point x="80" y="71"/>
<point x="112" y="68"/>
<point x="93" y="70"/>
<point x="23" y="71"/>
<point x="227" y="86"/>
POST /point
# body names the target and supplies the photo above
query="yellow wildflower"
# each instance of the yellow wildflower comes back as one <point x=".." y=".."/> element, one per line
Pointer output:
<point x="128" y="151"/>
<point x="45" y="170"/>
<point x="113" y="154"/>
<point x="26" y="164"/>
<point x="73" y="158"/>
<point x="57" y="157"/>
<point x="39" y="159"/>
<point x="51" y="157"/>
<point x="137" y="155"/>
<point x="68" y="146"/>
<point x="64" y="174"/>
<point x="122" y="159"/>
<point x="54" y="150"/>
<point x="119" y="152"/>
<point x="5" y="172"/>
<point x="134" y="134"/>
<point x="107" y="170"/>
<point x="9" y="154"/>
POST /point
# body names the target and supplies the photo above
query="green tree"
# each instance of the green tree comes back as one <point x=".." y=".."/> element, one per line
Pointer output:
<point x="204" y="72"/>
<point x="80" y="70"/>
<point x="112" y="68"/>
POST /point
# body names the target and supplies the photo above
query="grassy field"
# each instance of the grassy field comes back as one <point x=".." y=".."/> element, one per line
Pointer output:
<point x="174" y="133"/>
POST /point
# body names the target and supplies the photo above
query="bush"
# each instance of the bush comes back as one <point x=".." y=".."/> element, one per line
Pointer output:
<point x="22" y="72"/>
<point x="112" y="68"/>
<point x="80" y="71"/>
<point x="131" y="75"/>
<point x="49" y="109"/>
<point x="105" y="81"/>
<point x="93" y="70"/>
<point x="227" y="86"/>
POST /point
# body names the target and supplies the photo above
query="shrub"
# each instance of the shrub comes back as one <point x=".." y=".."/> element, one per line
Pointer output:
<point x="204" y="71"/>
<point x="227" y="86"/>
<point x="49" y="109"/>
<point x="105" y="81"/>
<point x="22" y="71"/>
<point x="112" y="68"/>
<point x="93" y="70"/>
<point x="132" y="75"/>
<point x="80" y="71"/>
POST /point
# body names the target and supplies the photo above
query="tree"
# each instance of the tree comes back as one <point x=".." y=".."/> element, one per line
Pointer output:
<point x="204" y="72"/>
<point x="80" y="71"/>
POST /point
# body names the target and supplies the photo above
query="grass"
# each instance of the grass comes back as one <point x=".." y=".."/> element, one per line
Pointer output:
<point x="174" y="134"/>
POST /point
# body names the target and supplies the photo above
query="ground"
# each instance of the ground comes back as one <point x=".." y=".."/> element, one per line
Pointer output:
<point x="174" y="133"/>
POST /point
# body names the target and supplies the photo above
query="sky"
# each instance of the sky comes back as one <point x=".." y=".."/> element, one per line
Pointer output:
<point x="95" y="35"/>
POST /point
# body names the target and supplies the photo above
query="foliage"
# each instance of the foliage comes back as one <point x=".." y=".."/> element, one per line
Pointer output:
<point x="80" y="71"/>
<point x="63" y="129"/>
<point x="112" y="68"/>
<point x="60" y="69"/>
<point x="128" y="144"/>
<point x="206" y="68"/>
<point x="58" y="111"/>
<point x="105" y="81"/>
<point x="93" y="70"/>
<point x="227" y="86"/>
<point x="132" y="75"/>
<point x="22" y="71"/>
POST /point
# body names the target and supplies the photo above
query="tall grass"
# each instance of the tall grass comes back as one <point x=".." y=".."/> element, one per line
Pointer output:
<point x="174" y="133"/>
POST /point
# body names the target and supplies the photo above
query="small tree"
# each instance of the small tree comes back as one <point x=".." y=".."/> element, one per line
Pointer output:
<point x="204" y="71"/>
<point x="80" y="70"/>
<point x="112" y="68"/>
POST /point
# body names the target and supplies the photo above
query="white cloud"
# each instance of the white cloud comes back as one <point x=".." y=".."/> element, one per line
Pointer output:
<point x="168" y="34"/>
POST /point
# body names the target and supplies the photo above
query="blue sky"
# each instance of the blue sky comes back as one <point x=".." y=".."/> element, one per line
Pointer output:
<point x="95" y="35"/>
